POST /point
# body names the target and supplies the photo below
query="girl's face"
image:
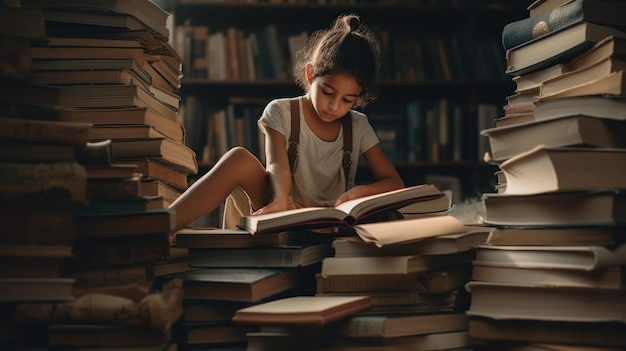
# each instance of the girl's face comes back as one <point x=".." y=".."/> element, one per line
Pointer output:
<point x="333" y="95"/>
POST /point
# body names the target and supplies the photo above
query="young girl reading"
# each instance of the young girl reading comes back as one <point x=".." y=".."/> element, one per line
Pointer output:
<point x="312" y="142"/>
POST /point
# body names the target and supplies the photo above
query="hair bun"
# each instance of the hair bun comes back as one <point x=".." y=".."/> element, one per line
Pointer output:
<point x="353" y="23"/>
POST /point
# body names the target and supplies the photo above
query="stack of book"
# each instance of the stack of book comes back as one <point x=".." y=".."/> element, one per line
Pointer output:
<point x="112" y="64"/>
<point x="101" y="66"/>
<point x="41" y="187"/>
<point x="232" y="269"/>
<point x="557" y="212"/>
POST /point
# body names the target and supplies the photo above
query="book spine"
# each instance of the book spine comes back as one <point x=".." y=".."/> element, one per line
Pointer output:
<point x="522" y="31"/>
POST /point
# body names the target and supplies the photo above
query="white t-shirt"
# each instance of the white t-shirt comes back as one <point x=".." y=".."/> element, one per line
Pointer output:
<point x="318" y="178"/>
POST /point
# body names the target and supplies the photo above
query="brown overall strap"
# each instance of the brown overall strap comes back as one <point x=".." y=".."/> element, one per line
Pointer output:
<point x="294" y="139"/>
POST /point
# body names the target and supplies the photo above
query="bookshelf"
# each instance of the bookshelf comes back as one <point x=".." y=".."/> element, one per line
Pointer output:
<point x="443" y="63"/>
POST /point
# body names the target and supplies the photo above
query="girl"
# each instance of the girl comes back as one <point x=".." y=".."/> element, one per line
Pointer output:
<point x="337" y="71"/>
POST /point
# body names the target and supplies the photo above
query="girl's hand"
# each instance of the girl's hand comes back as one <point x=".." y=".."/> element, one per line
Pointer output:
<point x="351" y="194"/>
<point x="273" y="206"/>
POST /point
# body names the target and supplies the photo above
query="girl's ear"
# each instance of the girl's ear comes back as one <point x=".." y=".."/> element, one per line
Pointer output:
<point x="308" y="70"/>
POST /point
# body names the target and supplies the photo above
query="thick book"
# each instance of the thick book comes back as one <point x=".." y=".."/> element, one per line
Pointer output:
<point x="237" y="284"/>
<point x="581" y="76"/>
<point x="607" y="334"/>
<point x="280" y="256"/>
<point x="33" y="261"/>
<point x="348" y="213"/>
<point x="532" y="81"/>
<point x="613" y="84"/>
<point x="564" y="257"/>
<point x="393" y="264"/>
<point x="351" y="246"/>
<point x="606" y="12"/>
<point x="542" y="170"/>
<point x="112" y="224"/>
<point x="175" y="154"/>
<point x="608" y="47"/>
<point x="598" y="106"/>
<point x="566" y="131"/>
<point x="436" y="281"/>
<point x="147" y="12"/>
<point x="558" y="209"/>
<point x="67" y="180"/>
<point x="213" y="238"/>
<point x="608" y="278"/>
<point x="556" y="236"/>
<point x="130" y="131"/>
<point x="106" y="335"/>
<point x="36" y="131"/>
<point x="393" y="326"/>
<point x="152" y="169"/>
<point x="546" y="303"/>
<point x="36" y="289"/>
<point x="309" y="311"/>
<point x="556" y="47"/>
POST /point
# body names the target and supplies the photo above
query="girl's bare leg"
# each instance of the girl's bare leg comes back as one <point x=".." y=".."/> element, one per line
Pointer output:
<point x="237" y="167"/>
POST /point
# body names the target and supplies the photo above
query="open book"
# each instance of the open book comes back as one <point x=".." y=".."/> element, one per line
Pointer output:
<point x="348" y="213"/>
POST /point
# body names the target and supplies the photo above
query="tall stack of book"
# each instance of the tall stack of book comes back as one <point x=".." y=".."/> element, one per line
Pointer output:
<point x="108" y="64"/>
<point x="41" y="187"/>
<point x="551" y="270"/>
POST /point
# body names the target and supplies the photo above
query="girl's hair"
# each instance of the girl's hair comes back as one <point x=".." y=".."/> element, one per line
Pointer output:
<point x="345" y="47"/>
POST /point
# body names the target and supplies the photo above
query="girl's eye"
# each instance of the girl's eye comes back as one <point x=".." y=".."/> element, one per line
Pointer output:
<point x="347" y="101"/>
<point x="326" y="92"/>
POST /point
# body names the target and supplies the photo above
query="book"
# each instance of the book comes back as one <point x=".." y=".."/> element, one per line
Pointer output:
<point x="87" y="53"/>
<point x="111" y="172"/>
<point x="170" y="152"/>
<point x="114" y="22"/>
<point x="574" y="130"/>
<point x="544" y="169"/>
<point x="33" y="261"/>
<point x="91" y="68"/>
<point x="129" y="131"/>
<point x="532" y="81"/>
<point x="34" y="131"/>
<point x="605" y="12"/>
<point x="152" y="187"/>
<point x="67" y="179"/>
<point x="105" y="188"/>
<point x="612" y="84"/>
<point x="393" y="326"/>
<point x="541" y="6"/>
<point x="152" y="169"/>
<point x="36" y="289"/>
<point x="607" y="278"/>
<point x="149" y="13"/>
<point x="608" y="47"/>
<point x="201" y="334"/>
<point x="348" y="213"/>
<point x="93" y="225"/>
<point x="126" y="204"/>
<point x="392" y="264"/>
<point x="213" y="238"/>
<point x="103" y="335"/>
<point x="554" y="332"/>
<point x="280" y="256"/>
<point x="556" y="47"/>
<point x="237" y="284"/>
<point x="599" y="106"/>
<point x="559" y="209"/>
<point x="443" y="244"/>
<point x="426" y="342"/>
<point x="309" y="311"/>
<point x="438" y="280"/>
<point x="555" y="236"/>
<point x="581" y="76"/>
<point x="28" y="152"/>
<point x="563" y="257"/>
<point x="517" y="301"/>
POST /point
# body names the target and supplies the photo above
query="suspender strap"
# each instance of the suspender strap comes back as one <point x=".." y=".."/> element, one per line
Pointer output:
<point x="294" y="135"/>
<point x="294" y="139"/>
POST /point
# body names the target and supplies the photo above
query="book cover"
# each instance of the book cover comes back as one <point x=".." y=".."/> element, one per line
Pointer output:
<point x="280" y="256"/>
<point x="310" y="311"/>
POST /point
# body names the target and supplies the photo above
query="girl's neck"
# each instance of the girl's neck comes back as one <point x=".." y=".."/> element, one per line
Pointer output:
<point x="323" y="130"/>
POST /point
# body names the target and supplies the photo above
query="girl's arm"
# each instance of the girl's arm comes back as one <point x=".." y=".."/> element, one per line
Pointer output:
<point x="278" y="171"/>
<point x="386" y="175"/>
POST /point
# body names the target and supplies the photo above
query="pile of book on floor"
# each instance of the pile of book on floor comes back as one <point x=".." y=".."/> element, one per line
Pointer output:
<point x="88" y="205"/>
<point x="552" y="269"/>
<point x="270" y="263"/>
